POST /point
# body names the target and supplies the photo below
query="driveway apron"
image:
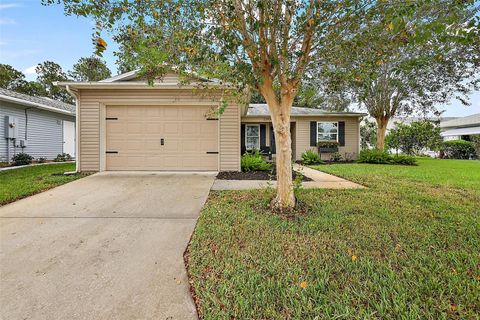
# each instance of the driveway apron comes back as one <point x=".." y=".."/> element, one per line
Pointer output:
<point x="108" y="246"/>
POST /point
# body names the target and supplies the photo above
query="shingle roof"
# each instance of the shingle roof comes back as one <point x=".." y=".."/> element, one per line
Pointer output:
<point x="468" y="121"/>
<point x="262" y="110"/>
<point x="37" y="101"/>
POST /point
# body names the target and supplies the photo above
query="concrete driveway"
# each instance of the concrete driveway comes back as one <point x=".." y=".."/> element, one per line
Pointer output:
<point x="108" y="246"/>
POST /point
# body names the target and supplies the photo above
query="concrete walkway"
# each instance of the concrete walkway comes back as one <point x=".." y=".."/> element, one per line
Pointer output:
<point x="108" y="246"/>
<point x="321" y="180"/>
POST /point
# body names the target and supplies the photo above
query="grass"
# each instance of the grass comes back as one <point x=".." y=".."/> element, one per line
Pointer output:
<point x="404" y="248"/>
<point x="20" y="183"/>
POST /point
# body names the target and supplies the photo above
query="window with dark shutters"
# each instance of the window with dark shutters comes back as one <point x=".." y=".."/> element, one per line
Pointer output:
<point x="341" y="133"/>
<point x="313" y="133"/>
<point x="242" y="139"/>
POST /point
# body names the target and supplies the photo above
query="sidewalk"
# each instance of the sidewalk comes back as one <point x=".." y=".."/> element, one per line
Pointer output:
<point x="321" y="180"/>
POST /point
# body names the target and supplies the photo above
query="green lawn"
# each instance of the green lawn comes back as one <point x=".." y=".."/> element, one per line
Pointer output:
<point x="20" y="183"/>
<point x="407" y="247"/>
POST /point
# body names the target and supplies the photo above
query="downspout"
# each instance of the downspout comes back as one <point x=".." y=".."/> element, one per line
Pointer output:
<point x="75" y="95"/>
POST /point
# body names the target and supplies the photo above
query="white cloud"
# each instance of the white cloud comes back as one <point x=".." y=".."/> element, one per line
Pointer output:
<point x="9" y="5"/>
<point x="30" y="70"/>
<point x="7" y="21"/>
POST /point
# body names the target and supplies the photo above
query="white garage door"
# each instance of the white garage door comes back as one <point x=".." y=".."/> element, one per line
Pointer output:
<point x="161" y="138"/>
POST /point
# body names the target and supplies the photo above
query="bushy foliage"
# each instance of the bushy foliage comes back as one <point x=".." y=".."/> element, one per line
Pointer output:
<point x="476" y="144"/>
<point x="458" y="149"/>
<point x="383" y="157"/>
<point x="310" y="157"/>
<point x="42" y="160"/>
<point x="414" y="138"/>
<point x="374" y="156"/>
<point x="403" y="159"/>
<point x="254" y="161"/>
<point x="336" y="156"/>
<point x="62" y="157"/>
<point x="22" y="159"/>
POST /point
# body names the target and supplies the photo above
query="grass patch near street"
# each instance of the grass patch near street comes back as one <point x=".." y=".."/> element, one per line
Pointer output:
<point x="20" y="183"/>
<point x="404" y="248"/>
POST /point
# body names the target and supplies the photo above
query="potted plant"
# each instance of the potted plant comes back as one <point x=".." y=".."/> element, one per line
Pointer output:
<point x="327" y="146"/>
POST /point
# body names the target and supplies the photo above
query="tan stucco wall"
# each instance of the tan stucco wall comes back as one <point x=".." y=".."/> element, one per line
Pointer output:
<point x="92" y="104"/>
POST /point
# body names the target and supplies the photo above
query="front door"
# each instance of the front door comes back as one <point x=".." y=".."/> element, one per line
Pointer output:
<point x="69" y="138"/>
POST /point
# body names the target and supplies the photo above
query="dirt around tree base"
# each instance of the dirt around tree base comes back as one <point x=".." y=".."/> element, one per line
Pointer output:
<point x="253" y="175"/>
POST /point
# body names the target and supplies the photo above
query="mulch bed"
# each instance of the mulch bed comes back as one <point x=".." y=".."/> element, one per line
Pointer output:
<point x="253" y="175"/>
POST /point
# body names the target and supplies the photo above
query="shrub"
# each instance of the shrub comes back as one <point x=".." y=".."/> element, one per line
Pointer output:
<point x="254" y="161"/>
<point x="458" y="149"/>
<point x="62" y="157"/>
<point x="42" y="160"/>
<point x="403" y="160"/>
<point x="311" y="157"/>
<point x="335" y="157"/>
<point x="374" y="156"/>
<point x="22" y="159"/>
<point x="383" y="157"/>
<point x="476" y="143"/>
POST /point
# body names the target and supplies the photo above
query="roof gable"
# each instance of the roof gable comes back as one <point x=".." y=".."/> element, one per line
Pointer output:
<point x="170" y="77"/>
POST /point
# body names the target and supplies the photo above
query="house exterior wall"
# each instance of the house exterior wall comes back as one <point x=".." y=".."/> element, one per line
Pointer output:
<point x="44" y="131"/>
<point x="352" y="136"/>
<point x="301" y="134"/>
<point x="92" y="101"/>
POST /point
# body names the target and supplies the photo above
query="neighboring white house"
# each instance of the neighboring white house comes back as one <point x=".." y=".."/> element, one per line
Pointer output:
<point x="39" y="126"/>
<point x="461" y="128"/>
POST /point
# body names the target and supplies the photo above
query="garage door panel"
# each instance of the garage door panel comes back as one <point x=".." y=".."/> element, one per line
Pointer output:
<point x="190" y="128"/>
<point x="154" y="128"/>
<point x="210" y="146"/>
<point x="172" y="128"/>
<point x="137" y="132"/>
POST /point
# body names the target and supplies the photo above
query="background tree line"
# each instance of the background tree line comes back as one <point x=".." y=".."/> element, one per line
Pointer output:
<point x="48" y="72"/>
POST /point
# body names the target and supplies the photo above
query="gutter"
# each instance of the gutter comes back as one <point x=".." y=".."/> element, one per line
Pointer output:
<point x="355" y="115"/>
<point x="137" y="85"/>
<point x="34" y="104"/>
<point x="76" y="96"/>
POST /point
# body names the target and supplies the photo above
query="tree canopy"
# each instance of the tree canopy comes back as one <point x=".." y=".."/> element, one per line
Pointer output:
<point x="409" y="64"/>
<point x="90" y="69"/>
<point x="48" y="72"/>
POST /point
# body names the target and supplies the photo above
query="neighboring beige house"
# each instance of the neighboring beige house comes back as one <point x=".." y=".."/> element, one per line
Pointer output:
<point x="125" y="124"/>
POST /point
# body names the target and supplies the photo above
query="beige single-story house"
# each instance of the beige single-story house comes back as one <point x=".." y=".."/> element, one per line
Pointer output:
<point x="125" y="124"/>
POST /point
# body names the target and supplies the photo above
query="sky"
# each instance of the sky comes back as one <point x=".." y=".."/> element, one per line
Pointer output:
<point x="31" y="33"/>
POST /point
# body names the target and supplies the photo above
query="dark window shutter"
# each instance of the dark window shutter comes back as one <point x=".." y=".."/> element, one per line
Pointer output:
<point x="263" y="136"/>
<point x="242" y="139"/>
<point x="341" y="133"/>
<point x="313" y="133"/>
<point x="273" y="147"/>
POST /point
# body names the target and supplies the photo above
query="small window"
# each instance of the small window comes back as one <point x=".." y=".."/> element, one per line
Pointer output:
<point x="327" y="131"/>
<point x="252" y="136"/>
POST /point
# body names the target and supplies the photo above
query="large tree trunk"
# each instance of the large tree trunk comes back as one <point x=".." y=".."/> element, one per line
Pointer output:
<point x="280" y="114"/>
<point x="382" y="123"/>
<point x="285" y="198"/>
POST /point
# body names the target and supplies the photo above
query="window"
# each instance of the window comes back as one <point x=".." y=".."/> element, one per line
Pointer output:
<point x="252" y="136"/>
<point x="327" y="131"/>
